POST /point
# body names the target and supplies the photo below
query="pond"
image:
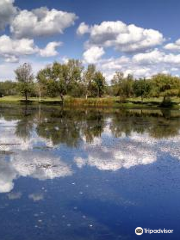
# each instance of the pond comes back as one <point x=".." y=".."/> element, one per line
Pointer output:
<point x="94" y="174"/>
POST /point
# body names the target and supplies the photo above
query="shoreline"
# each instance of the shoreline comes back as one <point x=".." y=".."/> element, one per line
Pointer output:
<point x="107" y="102"/>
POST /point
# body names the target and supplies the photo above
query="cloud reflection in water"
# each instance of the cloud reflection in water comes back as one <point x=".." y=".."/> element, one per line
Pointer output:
<point x="38" y="158"/>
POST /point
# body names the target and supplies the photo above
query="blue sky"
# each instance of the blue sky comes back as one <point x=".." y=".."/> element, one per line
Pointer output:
<point x="132" y="36"/>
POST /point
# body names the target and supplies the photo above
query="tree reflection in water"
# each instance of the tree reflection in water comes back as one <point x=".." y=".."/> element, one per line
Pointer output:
<point x="91" y="172"/>
<point x="71" y="126"/>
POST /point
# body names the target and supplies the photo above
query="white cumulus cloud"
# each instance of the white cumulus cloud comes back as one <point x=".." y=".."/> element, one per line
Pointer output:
<point x="145" y="64"/>
<point x="10" y="48"/>
<point x="41" y="22"/>
<point x="151" y="57"/>
<point x="50" y="49"/>
<point x="122" y="37"/>
<point x="157" y="57"/>
<point x="93" y="54"/>
<point x="173" y="46"/>
<point x="7" y="11"/>
<point x="82" y="29"/>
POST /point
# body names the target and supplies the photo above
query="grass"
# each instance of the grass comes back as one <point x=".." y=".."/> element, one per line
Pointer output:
<point x="96" y="102"/>
<point x="15" y="99"/>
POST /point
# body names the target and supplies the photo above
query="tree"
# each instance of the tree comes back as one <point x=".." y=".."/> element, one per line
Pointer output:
<point x="60" y="79"/>
<point x="88" y="77"/>
<point x="141" y="88"/>
<point x="52" y="81"/>
<point x="165" y="85"/>
<point x="122" y="86"/>
<point x="99" y="83"/>
<point x="72" y="72"/>
<point x="8" y="88"/>
<point x="42" y="81"/>
<point x="25" y="78"/>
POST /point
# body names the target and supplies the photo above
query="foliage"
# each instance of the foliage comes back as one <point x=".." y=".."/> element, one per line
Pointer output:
<point x="75" y="80"/>
<point x="98" y="84"/>
<point x="141" y="88"/>
<point x="88" y="77"/>
<point x="8" y="88"/>
<point x="163" y="83"/>
<point x="59" y="79"/>
<point x="122" y="86"/>
<point x="25" y="78"/>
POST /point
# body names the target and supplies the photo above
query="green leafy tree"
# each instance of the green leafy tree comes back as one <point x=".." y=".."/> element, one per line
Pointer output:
<point x="122" y="86"/>
<point x="8" y="88"/>
<point x="141" y="88"/>
<point x="99" y="84"/>
<point x="73" y="72"/>
<point x="88" y="77"/>
<point x="43" y="81"/>
<point x="25" y="78"/>
<point x="165" y="83"/>
<point x="60" y="79"/>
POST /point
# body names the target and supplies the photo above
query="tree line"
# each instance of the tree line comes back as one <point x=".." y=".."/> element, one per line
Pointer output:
<point x="75" y="80"/>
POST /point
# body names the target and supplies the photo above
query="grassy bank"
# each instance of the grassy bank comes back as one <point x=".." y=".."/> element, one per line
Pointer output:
<point x="96" y="102"/>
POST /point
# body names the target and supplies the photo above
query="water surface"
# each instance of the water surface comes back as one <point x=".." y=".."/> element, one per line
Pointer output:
<point x="88" y="174"/>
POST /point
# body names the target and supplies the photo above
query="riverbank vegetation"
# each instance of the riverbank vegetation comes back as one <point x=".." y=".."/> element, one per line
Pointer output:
<point x="72" y="83"/>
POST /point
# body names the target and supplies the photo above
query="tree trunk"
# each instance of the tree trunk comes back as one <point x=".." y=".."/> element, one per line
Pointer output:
<point x="26" y="96"/>
<point x="86" y="93"/>
<point x="39" y="95"/>
<point x="62" y="98"/>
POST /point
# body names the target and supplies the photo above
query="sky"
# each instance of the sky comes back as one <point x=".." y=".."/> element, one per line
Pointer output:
<point x="136" y="37"/>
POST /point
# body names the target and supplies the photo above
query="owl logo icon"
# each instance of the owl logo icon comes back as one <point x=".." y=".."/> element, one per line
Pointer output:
<point x="139" y="231"/>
